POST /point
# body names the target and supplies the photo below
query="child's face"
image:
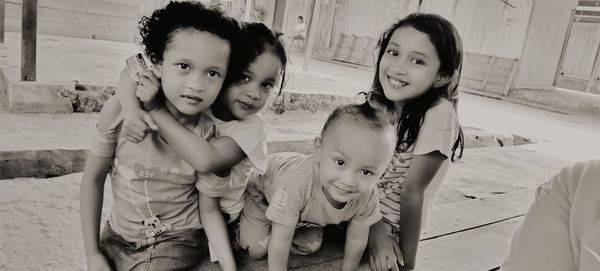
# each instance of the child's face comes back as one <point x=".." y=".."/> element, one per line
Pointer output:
<point x="351" y="160"/>
<point x="409" y="65"/>
<point x="192" y="72"/>
<point x="250" y="95"/>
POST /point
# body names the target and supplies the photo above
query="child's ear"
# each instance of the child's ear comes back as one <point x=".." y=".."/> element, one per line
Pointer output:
<point x="157" y="69"/>
<point x="441" y="80"/>
<point x="317" y="144"/>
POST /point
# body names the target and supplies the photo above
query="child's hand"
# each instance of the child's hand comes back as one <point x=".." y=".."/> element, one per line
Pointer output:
<point x="97" y="262"/>
<point x="148" y="91"/>
<point x="384" y="252"/>
<point x="136" y="124"/>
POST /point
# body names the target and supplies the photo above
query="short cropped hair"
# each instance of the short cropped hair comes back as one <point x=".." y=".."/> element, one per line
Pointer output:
<point x="369" y="114"/>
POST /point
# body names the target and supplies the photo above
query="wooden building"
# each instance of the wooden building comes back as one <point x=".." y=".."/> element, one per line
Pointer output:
<point x="530" y="44"/>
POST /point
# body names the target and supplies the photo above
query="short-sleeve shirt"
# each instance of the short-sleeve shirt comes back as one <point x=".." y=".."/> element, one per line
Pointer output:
<point x="561" y="229"/>
<point x="300" y="29"/>
<point x="296" y="197"/>
<point x="438" y="132"/>
<point x="251" y="136"/>
<point x="148" y="178"/>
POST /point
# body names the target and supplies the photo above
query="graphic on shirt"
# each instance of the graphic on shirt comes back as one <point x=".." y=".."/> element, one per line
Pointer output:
<point x="265" y="242"/>
<point x="138" y="182"/>
<point x="394" y="176"/>
<point x="279" y="199"/>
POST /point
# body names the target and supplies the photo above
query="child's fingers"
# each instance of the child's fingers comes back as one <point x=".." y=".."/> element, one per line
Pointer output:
<point x="379" y="263"/>
<point x="135" y="132"/>
<point x="134" y="139"/>
<point x="150" y="121"/>
<point x="148" y="83"/>
<point x="150" y="76"/>
<point x="142" y="94"/>
<point x="398" y="253"/>
<point x="373" y="263"/>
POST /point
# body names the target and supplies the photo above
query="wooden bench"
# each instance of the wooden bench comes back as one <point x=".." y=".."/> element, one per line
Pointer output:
<point x="487" y="75"/>
<point x="354" y="49"/>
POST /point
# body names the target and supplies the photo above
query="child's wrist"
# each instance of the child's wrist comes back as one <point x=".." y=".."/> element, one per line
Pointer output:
<point x="152" y="106"/>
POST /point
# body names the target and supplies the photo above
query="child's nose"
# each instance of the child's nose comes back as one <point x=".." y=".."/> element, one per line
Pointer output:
<point x="253" y="94"/>
<point x="195" y="83"/>
<point x="399" y="67"/>
<point x="349" y="179"/>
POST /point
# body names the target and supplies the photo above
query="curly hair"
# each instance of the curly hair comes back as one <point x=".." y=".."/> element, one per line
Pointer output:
<point x="157" y="30"/>
<point x="369" y="114"/>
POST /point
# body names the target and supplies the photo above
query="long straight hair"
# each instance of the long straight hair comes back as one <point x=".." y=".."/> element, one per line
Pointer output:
<point x="448" y="45"/>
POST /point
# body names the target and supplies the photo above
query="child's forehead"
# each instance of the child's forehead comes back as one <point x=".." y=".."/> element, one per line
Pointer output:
<point x="199" y="45"/>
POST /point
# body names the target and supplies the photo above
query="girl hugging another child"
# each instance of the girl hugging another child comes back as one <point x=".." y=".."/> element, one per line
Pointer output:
<point x="418" y="69"/>
<point x="195" y="55"/>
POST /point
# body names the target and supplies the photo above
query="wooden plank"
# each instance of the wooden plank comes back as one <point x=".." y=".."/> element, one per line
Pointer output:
<point x="494" y="88"/>
<point x="133" y="3"/>
<point x="479" y="249"/>
<point x="487" y="72"/>
<point x="464" y="215"/>
<point x="115" y="8"/>
<point x="511" y="78"/>
<point x="28" y="40"/>
<point x="473" y="74"/>
<point x="469" y="83"/>
<point x="477" y="58"/>
<point x="2" y="17"/>
<point x="499" y="80"/>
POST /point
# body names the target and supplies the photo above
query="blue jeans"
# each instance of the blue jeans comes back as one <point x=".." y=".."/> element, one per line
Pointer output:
<point x="181" y="251"/>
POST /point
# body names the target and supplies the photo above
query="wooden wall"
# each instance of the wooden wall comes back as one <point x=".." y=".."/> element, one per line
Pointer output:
<point x="96" y="19"/>
<point x="489" y="27"/>
<point x="543" y="46"/>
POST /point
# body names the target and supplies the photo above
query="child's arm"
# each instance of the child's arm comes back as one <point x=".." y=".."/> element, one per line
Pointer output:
<point x="221" y="153"/>
<point x="92" y="193"/>
<point x="422" y="170"/>
<point x="356" y="240"/>
<point x="216" y="231"/>
<point x="136" y="122"/>
<point x="279" y="246"/>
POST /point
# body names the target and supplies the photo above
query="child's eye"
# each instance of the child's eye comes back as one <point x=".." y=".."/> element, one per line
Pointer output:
<point x="339" y="162"/>
<point x="392" y="52"/>
<point x="418" y="61"/>
<point x="365" y="172"/>
<point x="244" y="78"/>
<point x="213" y="74"/>
<point x="268" y="85"/>
<point x="183" y="66"/>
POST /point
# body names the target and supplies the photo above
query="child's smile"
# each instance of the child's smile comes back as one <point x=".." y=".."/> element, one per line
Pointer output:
<point x="352" y="157"/>
<point x="250" y="95"/>
<point x="409" y="66"/>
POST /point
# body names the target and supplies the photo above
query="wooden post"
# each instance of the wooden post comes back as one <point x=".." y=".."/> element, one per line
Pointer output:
<point x="248" y="11"/>
<point x="28" y="40"/>
<point x="312" y="33"/>
<point x="2" y="18"/>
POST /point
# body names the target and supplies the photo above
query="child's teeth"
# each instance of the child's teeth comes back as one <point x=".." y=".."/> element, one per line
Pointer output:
<point x="398" y="83"/>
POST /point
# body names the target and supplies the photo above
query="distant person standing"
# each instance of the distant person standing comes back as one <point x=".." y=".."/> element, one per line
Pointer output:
<point x="299" y="34"/>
